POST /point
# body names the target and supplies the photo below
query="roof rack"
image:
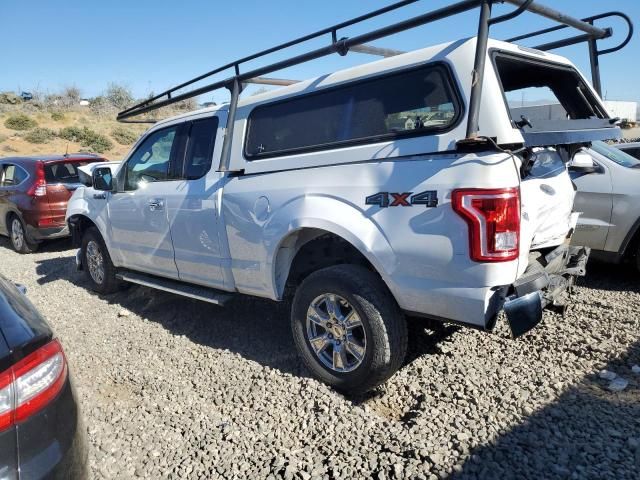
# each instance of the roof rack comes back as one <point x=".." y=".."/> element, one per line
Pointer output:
<point x="342" y="45"/>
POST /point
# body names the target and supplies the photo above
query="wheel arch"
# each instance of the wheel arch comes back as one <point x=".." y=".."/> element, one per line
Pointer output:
<point x="311" y="238"/>
<point x="631" y="242"/>
<point x="78" y="224"/>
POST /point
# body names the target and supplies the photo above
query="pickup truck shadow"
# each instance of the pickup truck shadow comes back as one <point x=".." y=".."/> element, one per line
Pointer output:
<point x="603" y="276"/>
<point x="589" y="432"/>
<point x="257" y="329"/>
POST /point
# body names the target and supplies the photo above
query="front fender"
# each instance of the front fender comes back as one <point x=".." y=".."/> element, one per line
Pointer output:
<point x="326" y="214"/>
<point x="82" y="204"/>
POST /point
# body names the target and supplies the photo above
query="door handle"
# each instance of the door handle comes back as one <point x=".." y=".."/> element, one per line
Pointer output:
<point x="156" y="204"/>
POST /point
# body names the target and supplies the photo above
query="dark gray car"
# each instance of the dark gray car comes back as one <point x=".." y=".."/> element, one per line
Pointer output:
<point x="41" y="434"/>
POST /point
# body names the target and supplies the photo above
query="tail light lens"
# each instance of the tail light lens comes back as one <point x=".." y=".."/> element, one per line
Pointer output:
<point x="39" y="186"/>
<point x="493" y="217"/>
<point x="31" y="384"/>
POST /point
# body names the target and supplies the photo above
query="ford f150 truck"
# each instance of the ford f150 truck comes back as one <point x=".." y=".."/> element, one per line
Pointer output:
<point x="363" y="196"/>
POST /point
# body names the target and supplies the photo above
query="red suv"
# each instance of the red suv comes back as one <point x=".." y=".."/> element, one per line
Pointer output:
<point x="33" y="196"/>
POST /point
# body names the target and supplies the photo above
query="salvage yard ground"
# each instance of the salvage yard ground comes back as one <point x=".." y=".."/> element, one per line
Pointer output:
<point x="174" y="388"/>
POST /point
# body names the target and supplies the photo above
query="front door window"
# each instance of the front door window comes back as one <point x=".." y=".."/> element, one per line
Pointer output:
<point x="150" y="162"/>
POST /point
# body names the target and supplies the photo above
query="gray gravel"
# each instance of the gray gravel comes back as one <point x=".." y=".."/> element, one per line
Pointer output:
<point x="173" y="388"/>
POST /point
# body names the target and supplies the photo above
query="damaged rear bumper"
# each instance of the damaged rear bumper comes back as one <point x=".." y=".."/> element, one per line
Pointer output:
<point x="546" y="283"/>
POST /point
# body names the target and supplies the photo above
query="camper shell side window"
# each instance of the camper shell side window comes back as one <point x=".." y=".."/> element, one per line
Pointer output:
<point x="413" y="102"/>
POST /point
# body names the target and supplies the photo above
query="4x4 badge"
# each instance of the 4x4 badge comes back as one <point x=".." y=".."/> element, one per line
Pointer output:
<point x="428" y="198"/>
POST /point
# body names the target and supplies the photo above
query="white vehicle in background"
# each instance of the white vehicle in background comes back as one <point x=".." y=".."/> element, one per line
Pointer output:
<point x="400" y="187"/>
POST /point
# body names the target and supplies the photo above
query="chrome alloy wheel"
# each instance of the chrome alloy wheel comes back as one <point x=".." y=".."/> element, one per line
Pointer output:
<point x="17" y="234"/>
<point x="336" y="333"/>
<point x="95" y="262"/>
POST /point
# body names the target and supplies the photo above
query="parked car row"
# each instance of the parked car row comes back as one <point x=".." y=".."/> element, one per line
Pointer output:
<point x="34" y="192"/>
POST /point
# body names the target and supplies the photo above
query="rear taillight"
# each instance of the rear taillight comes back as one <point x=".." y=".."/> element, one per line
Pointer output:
<point x="493" y="217"/>
<point x="39" y="186"/>
<point x="31" y="384"/>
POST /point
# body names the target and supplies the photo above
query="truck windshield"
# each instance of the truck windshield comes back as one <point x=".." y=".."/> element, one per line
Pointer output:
<point x="615" y="155"/>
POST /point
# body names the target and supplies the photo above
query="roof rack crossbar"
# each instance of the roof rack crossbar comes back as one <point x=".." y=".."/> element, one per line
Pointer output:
<point x="342" y="45"/>
<point x="371" y="50"/>
<point x="560" y="17"/>
<point x="280" y="82"/>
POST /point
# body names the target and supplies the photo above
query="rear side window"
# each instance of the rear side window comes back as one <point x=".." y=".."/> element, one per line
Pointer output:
<point x="63" y="172"/>
<point x="199" y="154"/>
<point x="12" y="175"/>
<point x="416" y="102"/>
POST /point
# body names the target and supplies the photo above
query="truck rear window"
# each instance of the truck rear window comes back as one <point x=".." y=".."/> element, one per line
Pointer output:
<point x="415" y="102"/>
<point x="63" y="172"/>
<point x="545" y="91"/>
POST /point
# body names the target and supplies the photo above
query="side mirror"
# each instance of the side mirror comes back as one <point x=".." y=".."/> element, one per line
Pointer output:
<point x="103" y="179"/>
<point x="583" y="163"/>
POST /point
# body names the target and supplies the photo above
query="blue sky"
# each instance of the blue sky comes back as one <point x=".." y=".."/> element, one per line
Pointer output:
<point x="150" y="45"/>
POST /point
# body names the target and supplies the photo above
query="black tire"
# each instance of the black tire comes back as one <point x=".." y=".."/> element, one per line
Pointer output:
<point x="107" y="282"/>
<point x="382" y="322"/>
<point x="22" y="243"/>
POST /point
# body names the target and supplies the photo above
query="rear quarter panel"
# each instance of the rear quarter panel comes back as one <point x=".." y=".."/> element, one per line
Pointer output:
<point x="422" y="253"/>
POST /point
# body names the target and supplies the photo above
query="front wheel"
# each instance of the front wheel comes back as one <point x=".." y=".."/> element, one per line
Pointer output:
<point x="348" y="328"/>
<point x="98" y="268"/>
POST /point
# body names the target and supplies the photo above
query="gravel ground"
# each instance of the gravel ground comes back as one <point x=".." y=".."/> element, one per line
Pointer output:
<point x="174" y="388"/>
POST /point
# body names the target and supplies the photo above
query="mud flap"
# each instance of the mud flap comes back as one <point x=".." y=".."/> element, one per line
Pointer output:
<point x="79" y="266"/>
<point x="523" y="313"/>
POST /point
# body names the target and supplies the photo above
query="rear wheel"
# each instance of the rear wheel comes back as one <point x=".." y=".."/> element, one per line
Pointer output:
<point x="18" y="236"/>
<point x="98" y="268"/>
<point x="348" y="328"/>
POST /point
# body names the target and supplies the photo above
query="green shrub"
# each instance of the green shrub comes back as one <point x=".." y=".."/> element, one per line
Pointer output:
<point x="123" y="136"/>
<point x="39" y="135"/>
<point x="57" y="116"/>
<point x="20" y="121"/>
<point x="72" y="134"/>
<point x="87" y="138"/>
<point x="96" y="141"/>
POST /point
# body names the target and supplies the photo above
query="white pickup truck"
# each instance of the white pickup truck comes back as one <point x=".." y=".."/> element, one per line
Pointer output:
<point x="356" y="196"/>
